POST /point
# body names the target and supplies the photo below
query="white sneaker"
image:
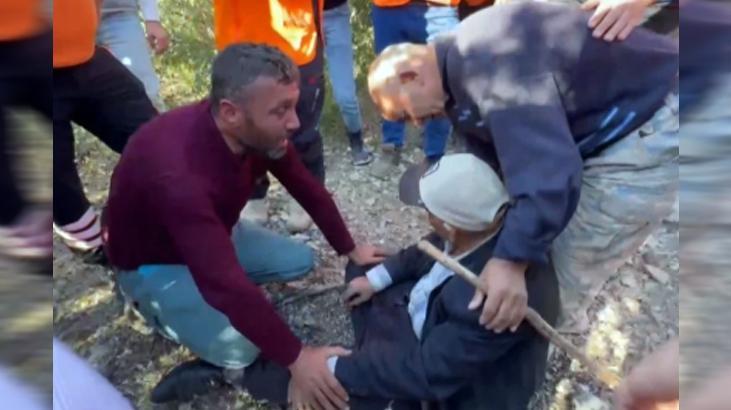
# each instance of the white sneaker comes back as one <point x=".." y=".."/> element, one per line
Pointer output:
<point x="297" y="218"/>
<point x="256" y="210"/>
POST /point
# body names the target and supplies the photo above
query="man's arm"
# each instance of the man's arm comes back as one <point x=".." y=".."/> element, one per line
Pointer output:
<point x="540" y="162"/>
<point x="207" y="250"/>
<point x="314" y="198"/>
<point x="451" y="355"/>
<point x="542" y="168"/>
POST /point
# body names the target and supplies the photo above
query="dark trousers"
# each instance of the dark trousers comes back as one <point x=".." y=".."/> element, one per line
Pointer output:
<point x="106" y="99"/>
<point x="25" y="81"/>
<point x="265" y="380"/>
<point x="307" y="140"/>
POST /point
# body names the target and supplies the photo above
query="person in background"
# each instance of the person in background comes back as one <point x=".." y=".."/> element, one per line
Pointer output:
<point x="398" y="21"/>
<point x="121" y="32"/>
<point x="25" y="81"/>
<point x="182" y="256"/>
<point x="339" y="51"/>
<point x="295" y="28"/>
<point x="94" y="90"/>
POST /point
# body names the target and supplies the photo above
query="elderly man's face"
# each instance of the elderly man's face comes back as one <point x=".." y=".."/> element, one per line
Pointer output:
<point x="405" y="85"/>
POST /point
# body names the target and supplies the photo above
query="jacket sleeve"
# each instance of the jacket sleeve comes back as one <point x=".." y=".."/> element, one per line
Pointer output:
<point x="408" y="264"/>
<point x="540" y="163"/>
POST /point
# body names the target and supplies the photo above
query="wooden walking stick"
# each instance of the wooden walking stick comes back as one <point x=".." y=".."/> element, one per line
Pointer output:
<point x="600" y="371"/>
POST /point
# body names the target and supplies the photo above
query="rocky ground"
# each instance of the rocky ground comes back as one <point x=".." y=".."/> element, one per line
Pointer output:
<point x="635" y="312"/>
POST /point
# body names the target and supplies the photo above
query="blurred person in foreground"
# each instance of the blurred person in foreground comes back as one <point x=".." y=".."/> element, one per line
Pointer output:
<point x="705" y="193"/>
<point x="26" y="44"/>
<point x="588" y="149"/>
<point x="16" y="395"/>
<point x="415" y="339"/>
<point x="697" y="367"/>
<point x="78" y="386"/>
<point x="181" y="255"/>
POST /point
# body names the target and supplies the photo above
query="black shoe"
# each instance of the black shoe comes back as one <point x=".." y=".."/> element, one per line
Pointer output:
<point x="186" y="381"/>
<point x="359" y="154"/>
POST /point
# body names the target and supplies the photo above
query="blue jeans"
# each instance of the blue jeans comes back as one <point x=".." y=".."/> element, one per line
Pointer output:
<point x="414" y="23"/>
<point x="169" y="300"/>
<point x="123" y="35"/>
<point x="339" y="52"/>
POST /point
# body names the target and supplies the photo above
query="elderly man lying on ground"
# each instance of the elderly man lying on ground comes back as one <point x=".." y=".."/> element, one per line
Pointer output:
<point x="415" y="337"/>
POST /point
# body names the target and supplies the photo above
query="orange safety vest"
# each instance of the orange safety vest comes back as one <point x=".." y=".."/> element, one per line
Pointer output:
<point x="21" y="19"/>
<point x="396" y="3"/>
<point x="289" y="25"/>
<point x="74" y="32"/>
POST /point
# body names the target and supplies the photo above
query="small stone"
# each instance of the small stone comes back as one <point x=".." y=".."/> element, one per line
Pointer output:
<point x="658" y="274"/>
<point x="586" y="400"/>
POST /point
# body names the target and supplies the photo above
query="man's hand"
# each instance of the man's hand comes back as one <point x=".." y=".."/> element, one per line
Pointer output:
<point x="365" y="254"/>
<point x="653" y="383"/>
<point x="157" y="36"/>
<point x="507" y="300"/>
<point x="313" y="386"/>
<point x="615" y="19"/>
<point x="359" y="291"/>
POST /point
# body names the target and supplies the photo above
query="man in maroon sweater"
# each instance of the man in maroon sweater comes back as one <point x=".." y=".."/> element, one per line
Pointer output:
<point x="183" y="259"/>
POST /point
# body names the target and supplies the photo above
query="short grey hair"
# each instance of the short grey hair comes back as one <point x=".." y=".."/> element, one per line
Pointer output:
<point x="239" y="65"/>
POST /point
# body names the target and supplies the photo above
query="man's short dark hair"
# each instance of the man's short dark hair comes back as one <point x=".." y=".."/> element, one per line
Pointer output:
<point x="239" y="65"/>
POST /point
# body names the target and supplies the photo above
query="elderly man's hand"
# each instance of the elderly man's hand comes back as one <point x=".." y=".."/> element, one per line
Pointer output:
<point x="507" y="299"/>
<point x="615" y="19"/>
<point x="358" y="292"/>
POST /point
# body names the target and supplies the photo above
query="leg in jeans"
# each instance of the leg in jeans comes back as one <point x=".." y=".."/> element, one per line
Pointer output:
<point x="339" y="51"/>
<point x="168" y="298"/>
<point x="626" y="192"/>
<point x="123" y="34"/>
<point x="388" y="29"/>
<point x="439" y="21"/>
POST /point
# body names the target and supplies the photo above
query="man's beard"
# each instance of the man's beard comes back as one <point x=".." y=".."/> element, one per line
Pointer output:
<point x="273" y="153"/>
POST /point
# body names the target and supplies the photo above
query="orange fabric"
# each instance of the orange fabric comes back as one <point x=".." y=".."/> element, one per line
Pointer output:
<point x="286" y="24"/>
<point x="396" y="3"/>
<point x="74" y="32"/>
<point x="20" y="19"/>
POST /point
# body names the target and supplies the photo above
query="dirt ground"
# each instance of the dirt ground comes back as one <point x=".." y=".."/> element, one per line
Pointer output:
<point x="636" y="312"/>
